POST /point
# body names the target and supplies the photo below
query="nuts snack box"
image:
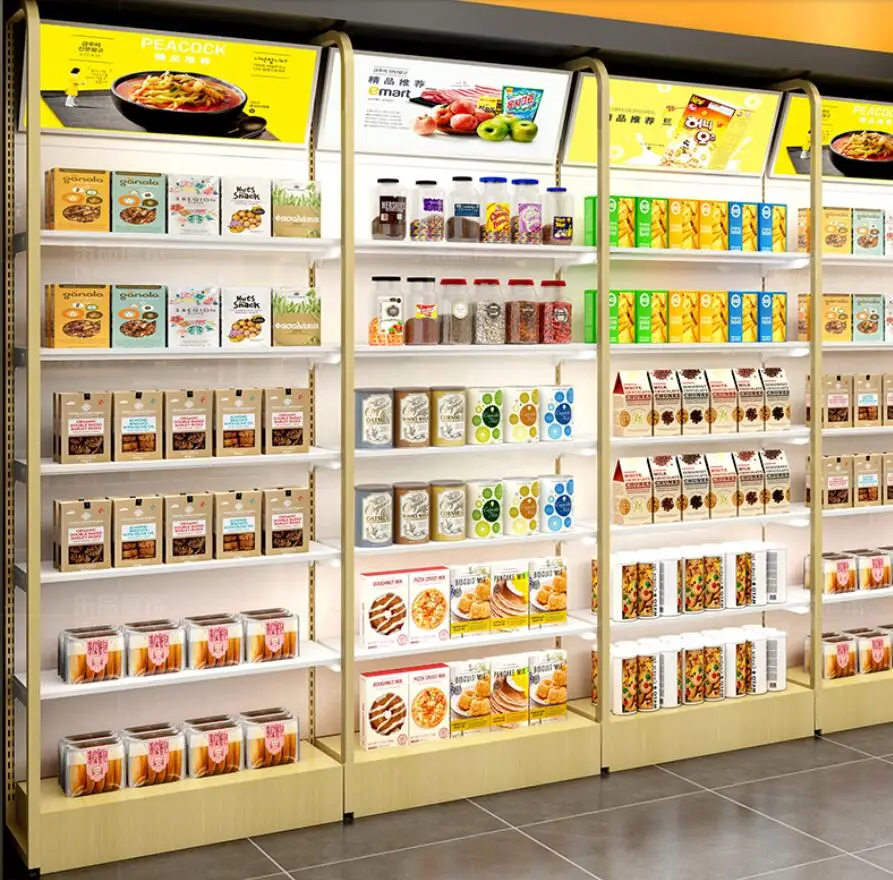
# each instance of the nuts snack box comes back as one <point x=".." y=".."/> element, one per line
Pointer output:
<point x="139" y="527"/>
<point x="77" y="315"/>
<point x="188" y="527"/>
<point x="237" y="523"/>
<point x="188" y="423"/>
<point x="82" y="427"/>
<point x="138" y="425"/>
<point x="237" y="417"/>
<point x="286" y="524"/>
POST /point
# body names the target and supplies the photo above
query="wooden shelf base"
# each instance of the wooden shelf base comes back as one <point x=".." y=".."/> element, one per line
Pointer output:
<point x="77" y="832"/>
<point x="848" y="703"/>
<point x="400" y="778"/>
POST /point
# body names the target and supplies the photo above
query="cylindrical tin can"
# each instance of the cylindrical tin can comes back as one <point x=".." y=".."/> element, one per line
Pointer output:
<point x="648" y="675"/>
<point x="374" y="412"/>
<point x="374" y="515"/>
<point x="646" y="588"/>
<point x="671" y="679"/>
<point x="556" y="503"/>
<point x="692" y="654"/>
<point x="447" y="510"/>
<point x="485" y="416"/>
<point x="556" y="412"/>
<point x="448" y="417"/>
<point x="412" y="513"/>
<point x="521" y="415"/>
<point x="412" y="417"/>
<point x="713" y="667"/>
<point x="484" y="509"/>
<point x="624" y="678"/>
<point x="521" y="511"/>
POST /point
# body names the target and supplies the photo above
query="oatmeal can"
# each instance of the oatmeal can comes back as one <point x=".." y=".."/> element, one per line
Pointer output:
<point x="447" y="510"/>
<point x="713" y="667"/>
<point x="556" y="503"/>
<point x="374" y="412"/>
<point x="412" y="513"/>
<point x="624" y="678"/>
<point x="776" y="659"/>
<point x="671" y="679"/>
<point x="648" y="675"/>
<point x="692" y="657"/>
<point x="448" y="417"/>
<point x="738" y="648"/>
<point x="483" y="499"/>
<point x="374" y="515"/>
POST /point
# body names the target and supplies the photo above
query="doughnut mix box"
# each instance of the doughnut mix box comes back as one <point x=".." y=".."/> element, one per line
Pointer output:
<point x="383" y="714"/>
<point x="384" y="596"/>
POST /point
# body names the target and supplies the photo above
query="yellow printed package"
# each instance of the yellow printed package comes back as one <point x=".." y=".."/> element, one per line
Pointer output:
<point x="749" y="317"/>
<point x="651" y="222"/>
<point x="625" y="209"/>
<point x="683" y="223"/>
<point x="836" y="232"/>
<point x="779" y="229"/>
<point x="742" y="226"/>
<point x="713" y="317"/>
<point x="623" y="303"/>
<point x="779" y="317"/>
<point x="683" y="311"/>
<point x="651" y="316"/>
<point x="713" y="230"/>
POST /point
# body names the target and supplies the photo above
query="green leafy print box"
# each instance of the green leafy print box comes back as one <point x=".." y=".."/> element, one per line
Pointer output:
<point x="193" y="317"/>
<point x="139" y="201"/>
<point x="297" y="317"/>
<point x="296" y="209"/>
<point x="139" y="316"/>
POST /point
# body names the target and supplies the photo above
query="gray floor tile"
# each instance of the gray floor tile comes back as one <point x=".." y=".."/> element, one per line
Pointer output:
<point x="237" y="860"/>
<point x="701" y="836"/>
<point x="583" y="795"/>
<point x="507" y="854"/>
<point x="844" y="806"/>
<point x="748" y="765"/>
<point x="376" y="834"/>
<point x="876" y="740"/>
<point x="841" y="868"/>
<point x="883" y="857"/>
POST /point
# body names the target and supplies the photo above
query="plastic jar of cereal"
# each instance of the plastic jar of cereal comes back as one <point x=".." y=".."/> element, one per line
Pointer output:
<point x="455" y="312"/>
<point x="389" y="210"/>
<point x="464" y="214"/>
<point x="522" y="313"/>
<point x="427" y="221"/>
<point x="496" y="228"/>
<point x="527" y="211"/>
<point x="555" y="320"/>
<point x="489" y="312"/>
<point x="422" y="326"/>
<point x="558" y="216"/>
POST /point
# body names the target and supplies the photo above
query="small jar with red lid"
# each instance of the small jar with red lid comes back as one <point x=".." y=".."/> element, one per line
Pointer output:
<point x="522" y="324"/>
<point x="455" y="312"/>
<point x="555" y="315"/>
<point x="488" y="298"/>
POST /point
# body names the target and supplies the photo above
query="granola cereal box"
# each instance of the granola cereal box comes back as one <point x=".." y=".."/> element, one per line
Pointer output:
<point x="837" y="317"/>
<point x="667" y="413"/>
<point x="723" y="485"/>
<point x="868" y="317"/>
<point x="188" y="423"/>
<point x="429" y="702"/>
<point x="777" y="390"/>
<point x="548" y="592"/>
<point x="867" y="474"/>
<point x="139" y="202"/>
<point x="632" y="404"/>
<point x="77" y="315"/>
<point x="286" y="521"/>
<point x="695" y="401"/>
<point x="82" y="534"/>
<point x="286" y="422"/>
<point x="868" y="231"/>
<point x="509" y="700"/>
<point x="384" y="721"/>
<point x="76" y="199"/>
<point x="246" y="207"/>
<point x="297" y="317"/>
<point x="751" y="410"/>
<point x="193" y="317"/>
<point x="867" y="394"/>
<point x="429" y="603"/>
<point x="193" y="205"/>
<point x="238" y="521"/>
<point x="138" y="531"/>
<point x="384" y="598"/>
<point x="695" y="486"/>
<point x="237" y="419"/>
<point x="750" y="497"/>
<point x="777" y="471"/>
<point x="82" y="427"/>
<point x="188" y="527"/>
<point x="510" y="597"/>
<point x="723" y="402"/>
<point x="139" y="316"/>
<point x="245" y="317"/>
<point x="632" y="492"/>
<point x="667" y="502"/>
<point x="296" y="208"/>
<point x="137" y="433"/>
<point x="470" y="692"/>
<point x="548" y="686"/>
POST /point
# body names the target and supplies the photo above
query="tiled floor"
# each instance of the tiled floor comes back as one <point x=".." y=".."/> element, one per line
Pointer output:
<point x="809" y="810"/>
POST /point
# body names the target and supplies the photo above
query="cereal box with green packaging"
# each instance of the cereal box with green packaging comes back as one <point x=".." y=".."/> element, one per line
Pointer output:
<point x="139" y="316"/>
<point x="868" y="317"/>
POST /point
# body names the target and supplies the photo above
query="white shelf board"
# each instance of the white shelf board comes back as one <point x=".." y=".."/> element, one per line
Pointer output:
<point x="561" y="255"/>
<point x="857" y="596"/>
<point x="844" y="260"/>
<point x="53" y="688"/>
<point x="759" y="260"/>
<point x="879" y="431"/>
<point x="581" y="351"/>
<point x="49" y="575"/>
<point x="306" y="249"/>
<point x="574" y="446"/>
<point x="768" y="349"/>
<point x="575" y="626"/>
<point x="858" y="511"/>
<point x="797" y="435"/>
<point x="856" y="347"/>
<point x="320" y="353"/>
<point x="579" y="533"/>
<point x="797" y="517"/>
<point x="50" y="468"/>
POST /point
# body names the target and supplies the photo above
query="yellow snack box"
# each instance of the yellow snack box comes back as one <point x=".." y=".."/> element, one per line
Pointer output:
<point x="749" y="234"/>
<point x="713" y="229"/>
<point x="836" y="232"/>
<point x="713" y="318"/>
<point x="691" y="316"/>
<point x="626" y="316"/>
<point x="837" y="317"/>
<point x="779" y="318"/>
<point x="749" y="323"/>
<point x="675" y="300"/>
<point x="779" y="228"/>
<point x="684" y="223"/>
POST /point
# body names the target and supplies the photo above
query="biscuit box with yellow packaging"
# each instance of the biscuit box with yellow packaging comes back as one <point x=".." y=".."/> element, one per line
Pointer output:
<point x="547" y="672"/>
<point x="743" y="226"/>
<point x="509" y="600"/>
<point x="429" y="702"/>
<point x="713" y="229"/>
<point x="470" y="690"/>
<point x="651" y="316"/>
<point x="384" y="720"/>
<point x="429" y="603"/>
<point x="713" y="316"/>
<point x="622" y="326"/>
<point x="509" y="700"/>
<point x="548" y="592"/>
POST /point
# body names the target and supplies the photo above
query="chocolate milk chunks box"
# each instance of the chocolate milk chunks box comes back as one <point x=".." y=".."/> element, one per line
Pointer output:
<point x="82" y="427"/>
<point x="138" y="425"/>
<point x="189" y="423"/>
<point x="286" y="420"/>
<point x="138" y="530"/>
<point x="237" y="421"/>
<point x="82" y="534"/>
<point x="237" y="523"/>
<point x="286" y="521"/>
<point x="188" y="527"/>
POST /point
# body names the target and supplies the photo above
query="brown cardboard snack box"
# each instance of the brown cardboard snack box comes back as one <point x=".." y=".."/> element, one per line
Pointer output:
<point x="137" y="434"/>
<point x="82" y="427"/>
<point x="237" y="421"/>
<point x="867" y="397"/>
<point x="867" y="473"/>
<point x="695" y="486"/>
<point x="837" y="401"/>
<point x="750" y="497"/>
<point x="777" y="495"/>
<point x="188" y="527"/>
<point x="695" y="401"/>
<point x="77" y="315"/>
<point x="723" y="485"/>
<point x="189" y="423"/>
<point x="837" y="482"/>
<point x="82" y="534"/>
<point x="667" y="504"/>
<point x="667" y="417"/>
<point x="723" y="402"/>
<point x="887" y="406"/>
<point x="887" y="477"/>
<point x="286" y="420"/>
<point x="139" y="527"/>
<point x="77" y="199"/>
<point x="286" y="521"/>
<point x="237" y="523"/>
<point x="778" y="398"/>
<point x="632" y="492"/>
<point x="750" y="414"/>
<point x="632" y="404"/>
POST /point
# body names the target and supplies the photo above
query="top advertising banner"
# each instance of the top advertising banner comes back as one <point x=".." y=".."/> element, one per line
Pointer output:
<point x="452" y="110"/>
<point x="676" y="127"/>
<point x="857" y="139"/>
<point x="106" y="79"/>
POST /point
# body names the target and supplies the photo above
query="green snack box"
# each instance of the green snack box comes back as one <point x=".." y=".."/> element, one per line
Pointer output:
<point x="590" y="316"/>
<point x="868" y="317"/>
<point x="651" y="316"/>
<point x="139" y="201"/>
<point x="139" y="316"/>
<point x="621" y="228"/>
<point x="651" y="222"/>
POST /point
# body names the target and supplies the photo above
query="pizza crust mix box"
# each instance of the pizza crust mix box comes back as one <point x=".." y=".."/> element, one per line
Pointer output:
<point x="429" y="604"/>
<point x="188" y="423"/>
<point x="188" y="527"/>
<point x="138" y="425"/>
<point x="139" y="529"/>
<point x="237" y="419"/>
<point x="76" y="199"/>
<point x="384" y="720"/>
<point x="77" y="315"/>
<point x="82" y="427"/>
<point x="237" y="524"/>
<point x="429" y="702"/>
<point x="384" y="599"/>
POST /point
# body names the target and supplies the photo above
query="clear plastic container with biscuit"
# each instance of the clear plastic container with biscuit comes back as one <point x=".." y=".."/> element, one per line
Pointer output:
<point x="271" y="738"/>
<point x="90" y="654"/>
<point x="873" y="568"/>
<point x="270" y="634"/>
<point x="154" y="647"/>
<point x="874" y="650"/>
<point x="839" y="657"/>
<point x="213" y="640"/>
<point x="214" y="746"/>
<point x="155" y="754"/>
<point x="90" y="764"/>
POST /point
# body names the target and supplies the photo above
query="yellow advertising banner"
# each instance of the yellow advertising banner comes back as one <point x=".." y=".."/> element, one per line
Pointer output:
<point x="857" y="139"/>
<point x="677" y="126"/>
<point x="138" y="81"/>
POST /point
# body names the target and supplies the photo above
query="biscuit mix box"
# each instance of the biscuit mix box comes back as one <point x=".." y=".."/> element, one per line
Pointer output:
<point x="778" y="398"/>
<point x="723" y="402"/>
<point x="470" y="591"/>
<point x="138" y="425"/>
<point x="429" y="702"/>
<point x="667" y="488"/>
<point x="286" y="521"/>
<point x="384" y="715"/>
<point x="429" y="604"/>
<point x="82" y="427"/>
<point x="778" y="480"/>
<point x="695" y="401"/>
<point x="470" y="692"/>
<point x="695" y="486"/>
<point x="632" y="492"/>
<point x="286" y="420"/>
<point x="82" y="534"/>
<point x="723" y="485"/>
<point x="750" y="411"/>
<point x="548" y="592"/>
<point x="548" y="686"/>
<point x="77" y="315"/>
<point x="188" y="527"/>
<point x="189" y="423"/>
<point x="667" y="403"/>
<point x="237" y="421"/>
<point x="237" y="524"/>
<point x="633" y="404"/>
<point x="750" y="498"/>
<point x="77" y="199"/>
<point x="139" y="530"/>
<point x="384" y="600"/>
